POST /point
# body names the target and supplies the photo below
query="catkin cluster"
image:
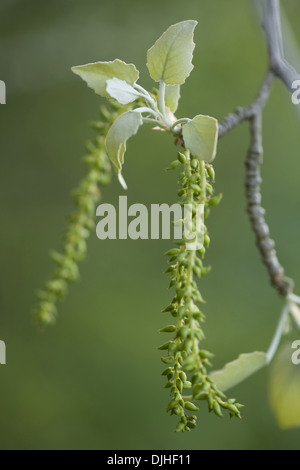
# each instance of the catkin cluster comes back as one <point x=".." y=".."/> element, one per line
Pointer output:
<point x="81" y="222"/>
<point x="187" y="364"/>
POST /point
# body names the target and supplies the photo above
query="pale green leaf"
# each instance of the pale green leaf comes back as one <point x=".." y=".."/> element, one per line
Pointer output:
<point x="96" y="74"/>
<point x="284" y="388"/>
<point x="200" y="136"/>
<point x="124" y="127"/>
<point x="172" y="97"/>
<point x="170" y="58"/>
<point x="236" y="371"/>
<point x="121" y="91"/>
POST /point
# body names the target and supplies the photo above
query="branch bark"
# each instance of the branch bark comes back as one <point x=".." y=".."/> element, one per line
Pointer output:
<point x="280" y="68"/>
<point x="245" y="114"/>
<point x="277" y="63"/>
<point x="256" y="212"/>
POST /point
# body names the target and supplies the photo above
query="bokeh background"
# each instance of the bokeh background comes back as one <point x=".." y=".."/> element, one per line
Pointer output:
<point x="93" y="381"/>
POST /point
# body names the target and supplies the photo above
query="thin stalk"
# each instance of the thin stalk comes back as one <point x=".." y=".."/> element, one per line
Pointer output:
<point x="278" y="333"/>
<point x="162" y="105"/>
<point x="144" y="93"/>
<point x="145" y="109"/>
<point x="179" y="121"/>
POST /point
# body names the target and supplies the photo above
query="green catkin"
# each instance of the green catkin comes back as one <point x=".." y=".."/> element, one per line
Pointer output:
<point x="184" y="356"/>
<point x="81" y="222"/>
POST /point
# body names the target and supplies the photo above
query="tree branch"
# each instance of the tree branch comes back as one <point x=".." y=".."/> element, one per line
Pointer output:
<point x="256" y="212"/>
<point x="245" y="114"/>
<point x="278" y="67"/>
<point x="277" y="63"/>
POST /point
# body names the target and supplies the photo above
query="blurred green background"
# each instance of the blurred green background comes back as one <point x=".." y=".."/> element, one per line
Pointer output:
<point x="93" y="381"/>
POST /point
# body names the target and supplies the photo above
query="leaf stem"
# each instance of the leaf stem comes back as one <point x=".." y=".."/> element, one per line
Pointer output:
<point x="162" y="105"/>
<point x="145" y="109"/>
<point x="294" y="298"/>
<point x="179" y="121"/>
<point x="278" y="333"/>
<point x="144" y="93"/>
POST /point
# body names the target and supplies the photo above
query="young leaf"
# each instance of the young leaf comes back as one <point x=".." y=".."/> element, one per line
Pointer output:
<point x="200" y="136"/>
<point x="284" y="386"/>
<point x="96" y="74"/>
<point x="170" y="58"/>
<point x="124" y="127"/>
<point x="236" y="371"/>
<point x="172" y="97"/>
<point x="121" y="91"/>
